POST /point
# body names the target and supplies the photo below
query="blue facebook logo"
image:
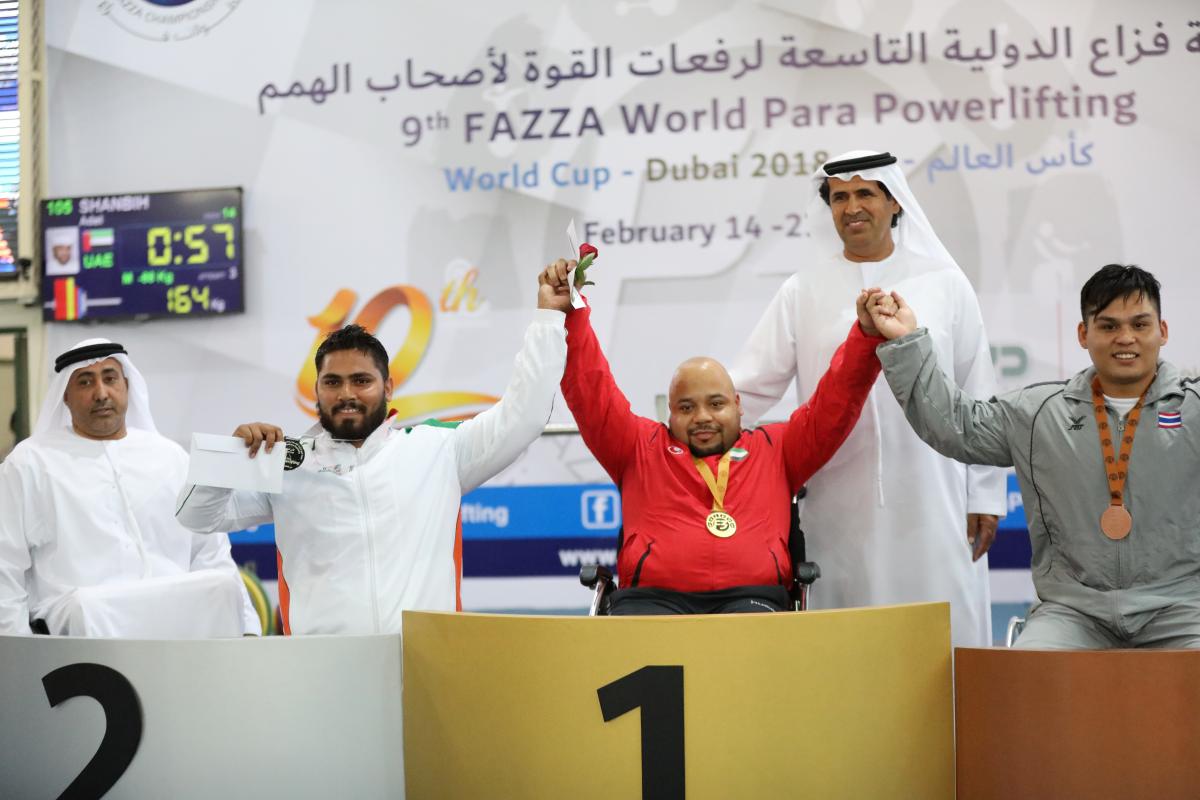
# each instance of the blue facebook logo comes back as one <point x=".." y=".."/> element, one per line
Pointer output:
<point x="600" y="509"/>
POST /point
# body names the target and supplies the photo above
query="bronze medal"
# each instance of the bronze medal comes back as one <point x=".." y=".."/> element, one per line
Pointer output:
<point x="721" y="524"/>
<point x="1116" y="522"/>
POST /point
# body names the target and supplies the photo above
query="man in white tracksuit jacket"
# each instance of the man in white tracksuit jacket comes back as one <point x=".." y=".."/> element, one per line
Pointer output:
<point x="366" y="524"/>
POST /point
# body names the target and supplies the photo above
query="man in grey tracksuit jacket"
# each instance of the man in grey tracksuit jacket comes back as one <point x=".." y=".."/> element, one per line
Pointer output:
<point x="1139" y="591"/>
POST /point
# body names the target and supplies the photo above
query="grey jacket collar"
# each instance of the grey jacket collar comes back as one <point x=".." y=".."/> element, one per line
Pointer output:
<point x="1167" y="382"/>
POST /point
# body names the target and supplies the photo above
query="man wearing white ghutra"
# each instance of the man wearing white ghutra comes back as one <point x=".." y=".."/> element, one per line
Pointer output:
<point x="888" y="519"/>
<point x="89" y="544"/>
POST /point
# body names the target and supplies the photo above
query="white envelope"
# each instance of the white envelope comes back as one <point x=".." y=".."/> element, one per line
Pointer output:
<point x="224" y="461"/>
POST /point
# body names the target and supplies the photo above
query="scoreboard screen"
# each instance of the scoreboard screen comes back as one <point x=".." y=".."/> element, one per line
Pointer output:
<point x="165" y="254"/>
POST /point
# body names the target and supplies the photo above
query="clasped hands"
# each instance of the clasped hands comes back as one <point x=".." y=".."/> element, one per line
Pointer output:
<point x="884" y="314"/>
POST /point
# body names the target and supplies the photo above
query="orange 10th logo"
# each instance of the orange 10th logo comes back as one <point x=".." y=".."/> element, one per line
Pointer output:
<point x="461" y="293"/>
<point x="413" y="407"/>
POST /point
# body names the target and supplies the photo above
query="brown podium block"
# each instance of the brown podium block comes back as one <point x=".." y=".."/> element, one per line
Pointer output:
<point x="1082" y="724"/>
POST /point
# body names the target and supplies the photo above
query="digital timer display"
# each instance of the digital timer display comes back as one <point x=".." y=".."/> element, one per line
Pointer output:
<point x="166" y="254"/>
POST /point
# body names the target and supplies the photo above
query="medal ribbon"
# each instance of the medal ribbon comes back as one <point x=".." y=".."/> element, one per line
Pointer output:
<point x="716" y="485"/>
<point x="1116" y="467"/>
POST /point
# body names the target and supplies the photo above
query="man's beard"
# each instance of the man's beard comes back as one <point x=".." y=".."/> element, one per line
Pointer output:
<point x="350" y="429"/>
<point x="715" y="448"/>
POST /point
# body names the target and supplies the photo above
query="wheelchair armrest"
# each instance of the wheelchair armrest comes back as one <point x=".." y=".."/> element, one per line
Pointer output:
<point x="599" y="579"/>
<point x="590" y="574"/>
<point x="807" y="572"/>
<point x="1015" y="626"/>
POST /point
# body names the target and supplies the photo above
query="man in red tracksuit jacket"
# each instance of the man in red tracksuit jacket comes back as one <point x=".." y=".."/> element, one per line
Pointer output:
<point x="706" y="504"/>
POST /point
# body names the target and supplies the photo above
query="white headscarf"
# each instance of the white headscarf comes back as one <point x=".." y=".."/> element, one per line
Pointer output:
<point x="61" y="236"/>
<point x="913" y="231"/>
<point x="55" y="415"/>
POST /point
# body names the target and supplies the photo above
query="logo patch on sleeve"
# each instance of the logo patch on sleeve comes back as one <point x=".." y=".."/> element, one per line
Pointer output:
<point x="294" y="456"/>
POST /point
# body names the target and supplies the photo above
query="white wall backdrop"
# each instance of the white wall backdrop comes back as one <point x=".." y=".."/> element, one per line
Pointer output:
<point x="378" y="143"/>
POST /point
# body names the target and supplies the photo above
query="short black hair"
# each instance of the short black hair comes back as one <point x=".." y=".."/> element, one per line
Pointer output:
<point x="824" y="191"/>
<point x="1114" y="281"/>
<point x="354" y="337"/>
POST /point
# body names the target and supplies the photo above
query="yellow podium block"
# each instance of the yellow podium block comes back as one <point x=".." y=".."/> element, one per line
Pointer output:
<point x="852" y="703"/>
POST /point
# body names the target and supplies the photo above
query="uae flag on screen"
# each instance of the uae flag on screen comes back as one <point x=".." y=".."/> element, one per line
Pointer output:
<point x="97" y="237"/>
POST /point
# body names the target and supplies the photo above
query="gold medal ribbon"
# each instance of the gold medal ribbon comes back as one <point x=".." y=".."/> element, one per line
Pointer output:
<point x="1116" y="521"/>
<point x="719" y="523"/>
<point x="717" y="485"/>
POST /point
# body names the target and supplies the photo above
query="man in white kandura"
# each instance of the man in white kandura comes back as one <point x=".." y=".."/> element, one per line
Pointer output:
<point x="89" y="544"/>
<point x="888" y="519"/>
<point x="366" y="522"/>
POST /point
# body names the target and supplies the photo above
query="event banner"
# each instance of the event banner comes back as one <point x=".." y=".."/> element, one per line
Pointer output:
<point x="412" y="166"/>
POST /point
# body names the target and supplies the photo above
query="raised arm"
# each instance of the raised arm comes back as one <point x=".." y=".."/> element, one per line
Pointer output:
<point x="492" y="440"/>
<point x="945" y="417"/>
<point x="817" y="429"/>
<point x="987" y="489"/>
<point x="606" y="421"/>
<point x="766" y="366"/>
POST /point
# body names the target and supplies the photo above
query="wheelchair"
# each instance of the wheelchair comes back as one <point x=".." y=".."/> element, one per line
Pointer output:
<point x="601" y="580"/>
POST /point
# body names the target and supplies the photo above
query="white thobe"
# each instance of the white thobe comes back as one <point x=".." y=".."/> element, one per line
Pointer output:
<point x="80" y="517"/>
<point x="886" y="518"/>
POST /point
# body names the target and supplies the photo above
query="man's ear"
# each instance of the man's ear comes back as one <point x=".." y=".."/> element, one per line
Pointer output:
<point x="737" y="400"/>
<point x="1082" y="331"/>
<point x="387" y="388"/>
<point x="1163" y="327"/>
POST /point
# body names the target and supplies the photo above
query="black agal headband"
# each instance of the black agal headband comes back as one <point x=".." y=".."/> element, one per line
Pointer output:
<point x="87" y="353"/>
<point x="858" y="164"/>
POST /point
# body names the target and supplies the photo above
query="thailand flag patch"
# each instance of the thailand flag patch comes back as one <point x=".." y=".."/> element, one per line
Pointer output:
<point x="1170" y="419"/>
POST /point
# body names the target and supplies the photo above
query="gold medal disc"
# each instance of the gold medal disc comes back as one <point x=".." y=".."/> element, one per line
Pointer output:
<point x="721" y="524"/>
<point x="1116" y="522"/>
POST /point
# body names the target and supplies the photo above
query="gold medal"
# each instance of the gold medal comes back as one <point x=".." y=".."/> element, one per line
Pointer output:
<point x="721" y="524"/>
